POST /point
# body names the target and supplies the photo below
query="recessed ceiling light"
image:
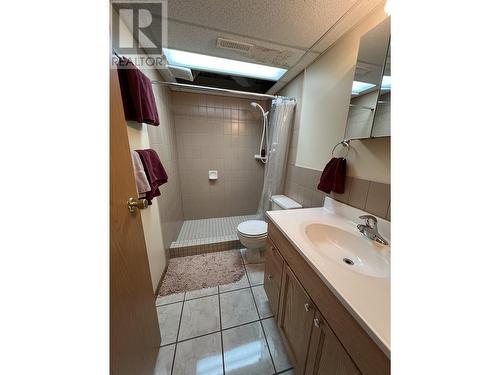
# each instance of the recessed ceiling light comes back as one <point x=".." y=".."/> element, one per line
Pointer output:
<point x="360" y="87"/>
<point x="221" y="65"/>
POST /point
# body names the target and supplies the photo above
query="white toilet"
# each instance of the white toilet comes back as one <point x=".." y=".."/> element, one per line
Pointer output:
<point x="253" y="233"/>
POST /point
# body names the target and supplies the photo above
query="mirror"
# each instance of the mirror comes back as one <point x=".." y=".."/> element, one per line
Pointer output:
<point x="369" y="110"/>
<point x="382" y="119"/>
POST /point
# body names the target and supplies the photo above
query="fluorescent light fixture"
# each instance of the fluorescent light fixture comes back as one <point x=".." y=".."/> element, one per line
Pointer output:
<point x="220" y="65"/>
<point x="386" y="82"/>
<point x="360" y="87"/>
<point x="388" y="7"/>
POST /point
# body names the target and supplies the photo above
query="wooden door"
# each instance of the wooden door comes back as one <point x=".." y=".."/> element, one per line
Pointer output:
<point x="326" y="355"/>
<point x="296" y="314"/>
<point x="272" y="277"/>
<point x="134" y="331"/>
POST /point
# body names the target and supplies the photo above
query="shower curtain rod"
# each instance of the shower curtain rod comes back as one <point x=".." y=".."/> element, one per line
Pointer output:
<point x="216" y="89"/>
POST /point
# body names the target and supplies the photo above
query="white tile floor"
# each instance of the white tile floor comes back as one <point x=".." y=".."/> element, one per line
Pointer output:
<point x="227" y="330"/>
<point x="206" y="231"/>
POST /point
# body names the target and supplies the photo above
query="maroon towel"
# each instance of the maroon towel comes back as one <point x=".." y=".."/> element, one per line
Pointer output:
<point x="137" y="94"/>
<point x="333" y="176"/>
<point x="154" y="172"/>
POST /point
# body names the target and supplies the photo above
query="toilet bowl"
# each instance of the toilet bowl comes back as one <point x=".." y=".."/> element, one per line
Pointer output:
<point x="253" y="233"/>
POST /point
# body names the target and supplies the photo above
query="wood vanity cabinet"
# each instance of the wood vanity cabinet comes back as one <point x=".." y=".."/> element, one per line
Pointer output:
<point x="326" y="355"/>
<point x="295" y="319"/>
<point x="272" y="280"/>
<point x="320" y="334"/>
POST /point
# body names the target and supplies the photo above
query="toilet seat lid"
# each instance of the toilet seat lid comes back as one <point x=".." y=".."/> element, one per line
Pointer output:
<point x="253" y="228"/>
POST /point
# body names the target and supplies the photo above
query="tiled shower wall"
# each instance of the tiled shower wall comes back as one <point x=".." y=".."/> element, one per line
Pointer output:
<point x="162" y="140"/>
<point x="217" y="133"/>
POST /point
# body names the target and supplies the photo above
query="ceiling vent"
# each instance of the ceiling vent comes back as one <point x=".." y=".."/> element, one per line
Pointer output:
<point x="234" y="45"/>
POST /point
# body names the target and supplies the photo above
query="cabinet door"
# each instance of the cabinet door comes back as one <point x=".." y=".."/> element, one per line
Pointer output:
<point x="326" y="355"/>
<point x="272" y="277"/>
<point x="296" y="314"/>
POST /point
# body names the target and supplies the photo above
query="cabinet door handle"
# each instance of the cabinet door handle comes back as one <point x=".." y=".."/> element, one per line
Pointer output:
<point x="270" y="277"/>
<point x="307" y="307"/>
<point x="317" y="322"/>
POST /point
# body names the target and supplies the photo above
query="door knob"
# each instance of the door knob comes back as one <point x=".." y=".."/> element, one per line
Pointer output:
<point x="134" y="204"/>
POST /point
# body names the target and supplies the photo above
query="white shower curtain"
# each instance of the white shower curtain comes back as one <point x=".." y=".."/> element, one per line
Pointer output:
<point x="280" y="126"/>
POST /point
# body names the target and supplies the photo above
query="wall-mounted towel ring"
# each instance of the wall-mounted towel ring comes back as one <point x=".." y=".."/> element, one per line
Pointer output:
<point x="344" y="143"/>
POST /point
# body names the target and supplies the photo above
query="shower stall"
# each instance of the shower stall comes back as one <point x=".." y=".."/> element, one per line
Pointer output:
<point x="231" y="154"/>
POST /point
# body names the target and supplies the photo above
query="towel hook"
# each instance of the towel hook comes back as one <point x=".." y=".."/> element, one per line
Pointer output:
<point x="344" y="143"/>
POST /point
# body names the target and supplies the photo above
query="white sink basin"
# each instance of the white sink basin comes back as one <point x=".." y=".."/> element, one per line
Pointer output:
<point x="356" y="253"/>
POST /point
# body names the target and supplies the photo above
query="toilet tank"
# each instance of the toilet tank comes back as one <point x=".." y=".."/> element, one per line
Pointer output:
<point x="282" y="202"/>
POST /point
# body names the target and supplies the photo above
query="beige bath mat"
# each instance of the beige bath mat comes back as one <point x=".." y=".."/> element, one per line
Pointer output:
<point x="202" y="271"/>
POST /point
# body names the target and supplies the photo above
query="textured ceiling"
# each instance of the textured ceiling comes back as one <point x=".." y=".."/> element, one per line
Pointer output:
<point x="295" y="23"/>
<point x="202" y="40"/>
<point x="286" y="33"/>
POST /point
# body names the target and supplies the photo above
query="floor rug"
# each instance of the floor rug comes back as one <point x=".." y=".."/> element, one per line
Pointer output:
<point x="202" y="271"/>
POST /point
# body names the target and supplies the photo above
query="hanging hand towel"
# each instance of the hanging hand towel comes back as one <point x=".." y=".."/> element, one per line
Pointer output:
<point x="137" y="94"/>
<point x="333" y="176"/>
<point x="141" y="179"/>
<point x="154" y="171"/>
<point x="339" y="179"/>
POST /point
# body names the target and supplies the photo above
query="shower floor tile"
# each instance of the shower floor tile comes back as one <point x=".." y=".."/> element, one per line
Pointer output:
<point x="208" y="231"/>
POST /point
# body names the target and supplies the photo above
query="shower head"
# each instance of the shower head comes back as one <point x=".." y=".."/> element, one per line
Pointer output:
<point x="257" y="105"/>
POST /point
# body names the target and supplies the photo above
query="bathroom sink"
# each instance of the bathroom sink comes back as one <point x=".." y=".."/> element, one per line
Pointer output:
<point x="356" y="253"/>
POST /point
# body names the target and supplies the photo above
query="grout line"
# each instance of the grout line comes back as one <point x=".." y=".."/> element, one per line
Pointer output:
<point x="171" y="303"/>
<point x="217" y="331"/>
<point x="263" y="331"/>
<point x="221" y="339"/>
<point x="283" y="371"/>
<point x="177" y="336"/>
<point x="208" y="295"/>
<point x="213" y="332"/>
<point x="241" y="324"/>
<point x="234" y="290"/>
<point x="194" y="337"/>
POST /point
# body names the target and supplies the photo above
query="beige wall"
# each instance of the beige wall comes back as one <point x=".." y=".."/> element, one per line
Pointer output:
<point x="301" y="183"/>
<point x="294" y="90"/>
<point x="138" y="138"/>
<point x="326" y="91"/>
<point x="162" y="220"/>
<point x="217" y="133"/>
<point x="323" y="94"/>
<point x="163" y="141"/>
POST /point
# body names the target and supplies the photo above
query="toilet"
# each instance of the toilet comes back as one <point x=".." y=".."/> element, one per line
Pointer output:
<point x="253" y="233"/>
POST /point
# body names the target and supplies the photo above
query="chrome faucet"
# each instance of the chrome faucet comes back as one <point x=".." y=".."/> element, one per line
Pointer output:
<point x="370" y="230"/>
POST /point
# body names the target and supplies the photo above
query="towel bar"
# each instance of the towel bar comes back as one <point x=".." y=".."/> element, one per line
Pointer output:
<point x="344" y="143"/>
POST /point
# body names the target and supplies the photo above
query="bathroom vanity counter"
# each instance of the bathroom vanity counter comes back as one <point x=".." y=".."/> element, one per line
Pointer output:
<point x="320" y="262"/>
